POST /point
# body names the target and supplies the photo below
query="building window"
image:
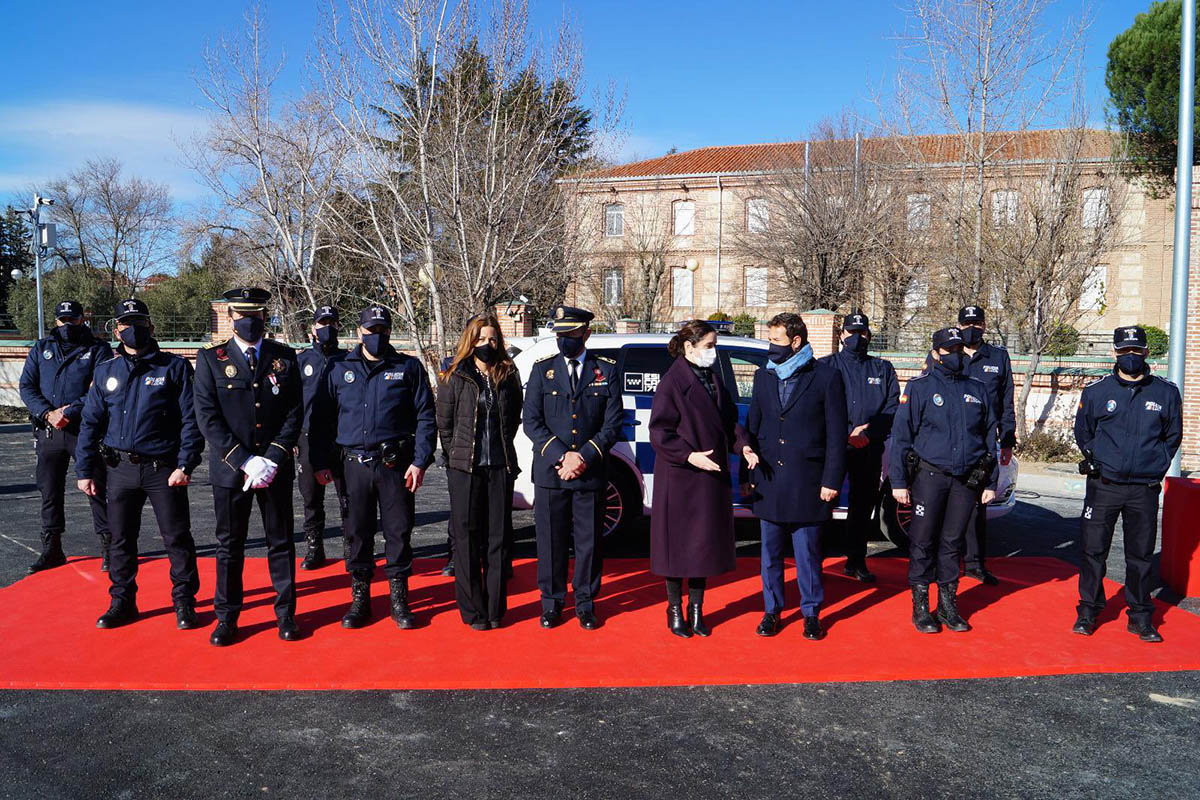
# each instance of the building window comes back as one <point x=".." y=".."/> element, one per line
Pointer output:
<point x="614" y="287"/>
<point x="1095" y="208"/>
<point x="1092" y="296"/>
<point x="685" y="218"/>
<point x="916" y="296"/>
<point x="756" y="286"/>
<point x="681" y="287"/>
<point x="757" y="215"/>
<point x="1004" y="208"/>
<point x="919" y="212"/>
<point x="614" y="220"/>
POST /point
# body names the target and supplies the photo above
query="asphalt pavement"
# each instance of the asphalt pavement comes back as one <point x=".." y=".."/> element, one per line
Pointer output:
<point x="1072" y="736"/>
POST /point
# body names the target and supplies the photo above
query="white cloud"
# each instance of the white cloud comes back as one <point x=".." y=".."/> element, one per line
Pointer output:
<point x="45" y="140"/>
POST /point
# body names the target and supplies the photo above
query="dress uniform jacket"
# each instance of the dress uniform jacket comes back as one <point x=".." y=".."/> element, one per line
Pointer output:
<point x="244" y="414"/>
<point x="872" y="393"/>
<point x="141" y="405"/>
<point x="1131" y="429"/>
<point x="991" y="366"/>
<point x="57" y="375"/>
<point x="587" y="421"/>
<point x="801" y="444"/>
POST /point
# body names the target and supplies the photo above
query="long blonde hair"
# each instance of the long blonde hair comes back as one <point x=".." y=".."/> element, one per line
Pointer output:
<point x="503" y="366"/>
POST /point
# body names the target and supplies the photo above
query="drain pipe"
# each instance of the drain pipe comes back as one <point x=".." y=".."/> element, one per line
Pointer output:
<point x="720" y="226"/>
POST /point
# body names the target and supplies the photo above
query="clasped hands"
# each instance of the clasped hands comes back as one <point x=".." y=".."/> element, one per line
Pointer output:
<point x="259" y="472"/>
<point x="571" y="466"/>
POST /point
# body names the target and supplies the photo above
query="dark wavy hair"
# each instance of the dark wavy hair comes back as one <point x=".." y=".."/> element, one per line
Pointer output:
<point x="693" y="332"/>
<point x="792" y="323"/>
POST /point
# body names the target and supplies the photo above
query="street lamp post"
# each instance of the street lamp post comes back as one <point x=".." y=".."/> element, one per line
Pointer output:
<point x="44" y="237"/>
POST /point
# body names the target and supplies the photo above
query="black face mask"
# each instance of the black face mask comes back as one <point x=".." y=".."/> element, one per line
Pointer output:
<point x="856" y="343"/>
<point x="249" y="329"/>
<point x="71" y="333"/>
<point x="1131" y="363"/>
<point x="570" y="346"/>
<point x="327" y="338"/>
<point x="376" y="344"/>
<point x="486" y="353"/>
<point x="780" y="353"/>
<point x="972" y="337"/>
<point x="135" y="337"/>
<point x="953" y="362"/>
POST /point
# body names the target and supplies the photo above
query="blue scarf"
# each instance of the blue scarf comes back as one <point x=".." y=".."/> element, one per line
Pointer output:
<point x="787" y="368"/>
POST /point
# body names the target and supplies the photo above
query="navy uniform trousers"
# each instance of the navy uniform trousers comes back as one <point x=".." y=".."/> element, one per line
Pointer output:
<point x="313" y="491"/>
<point x="942" y="507"/>
<point x="129" y="486"/>
<point x="1137" y="506"/>
<point x="563" y="517"/>
<point x="233" y="507"/>
<point x="55" y="449"/>
<point x="373" y="487"/>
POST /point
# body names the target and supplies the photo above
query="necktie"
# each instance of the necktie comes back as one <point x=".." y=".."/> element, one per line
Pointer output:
<point x="252" y="358"/>
<point x="574" y="374"/>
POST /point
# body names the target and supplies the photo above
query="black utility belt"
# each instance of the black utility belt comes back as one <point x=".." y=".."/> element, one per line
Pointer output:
<point x="1108" y="482"/>
<point x="923" y="464"/>
<point x="391" y="454"/>
<point x="113" y="457"/>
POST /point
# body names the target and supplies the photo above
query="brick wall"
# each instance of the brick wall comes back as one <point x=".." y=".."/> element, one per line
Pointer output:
<point x="1191" y="382"/>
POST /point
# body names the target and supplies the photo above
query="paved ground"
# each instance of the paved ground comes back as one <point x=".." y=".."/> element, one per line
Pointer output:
<point x="1077" y="736"/>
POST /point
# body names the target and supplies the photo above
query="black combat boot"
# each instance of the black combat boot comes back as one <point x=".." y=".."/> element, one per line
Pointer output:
<point x="696" y="619"/>
<point x="401" y="614"/>
<point x="921" y="618"/>
<point x="314" y="557"/>
<point x="52" y="553"/>
<point x="676" y="624"/>
<point x="121" y="612"/>
<point x="105" y="545"/>
<point x="947" y="610"/>
<point x="360" y="602"/>
<point x="185" y="615"/>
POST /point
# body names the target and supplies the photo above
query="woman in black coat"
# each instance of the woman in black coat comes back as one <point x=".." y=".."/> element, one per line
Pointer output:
<point x="693" y="429"/>
<point x="478" y="412"/>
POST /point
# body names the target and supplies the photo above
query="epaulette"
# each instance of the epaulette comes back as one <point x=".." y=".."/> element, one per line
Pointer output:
<point x="546" y="358"/>
<point x="606" y="359"/>
<point x="211" y="345"/>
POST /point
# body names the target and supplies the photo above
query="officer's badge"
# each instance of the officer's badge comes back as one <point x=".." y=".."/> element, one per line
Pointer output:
<point x="111" y="384"/>
<point x="937" y="400"/>
<point x="222" y="354"/>
<point x="599" y="376"/>
<point x="230" y="371"/>
<point x="550" y="374"/>
<point x="278" y="366"/>
<point x="348" y="376"/>
<point x="560" y="312"/>
<point x="46" y="354"/>
<point x="308" y="370"/>
<point x="1110" y="406"/>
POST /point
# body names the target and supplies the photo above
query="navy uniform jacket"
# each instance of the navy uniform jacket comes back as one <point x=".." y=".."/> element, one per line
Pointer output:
<point x="143" y="406"/>
<point x="993" y="367"/>
<point x="243" y="414"/>
<point x="872" y="393"/>
<point x="313" y="363"/>
<point x="55" y="376"/>
<point x="557" y="421"/>
<point x="801" y="445"/>
<point x="948" y="420"/>
<point x="1132" y="429"/>
<point x="364" y="403"/>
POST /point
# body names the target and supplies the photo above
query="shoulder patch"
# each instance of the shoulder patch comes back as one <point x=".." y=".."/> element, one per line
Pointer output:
<point x="606" y="359"/>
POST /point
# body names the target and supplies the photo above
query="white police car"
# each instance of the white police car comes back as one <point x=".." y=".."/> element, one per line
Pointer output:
<point x="642" y="360"/>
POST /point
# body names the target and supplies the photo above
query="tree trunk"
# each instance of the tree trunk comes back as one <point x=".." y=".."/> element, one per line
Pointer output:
<point x="1035" y="359"/>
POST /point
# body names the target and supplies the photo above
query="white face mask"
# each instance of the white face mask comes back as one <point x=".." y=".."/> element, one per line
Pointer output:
<point x="704" y="358"/>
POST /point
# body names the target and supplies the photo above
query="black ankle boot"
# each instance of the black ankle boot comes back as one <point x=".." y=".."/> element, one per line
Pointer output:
<point x="105" y="545"/>
<point x="947" y="610"/>
<point x="921" y="618"/>
<point x="401" y="614"/>
<point x="314" y="557"/>
<point x="52" y="553"/>
<point x="676" y="624"/>
<point x="120" y="612"/>
<point x="360" y="601"/>
<point x="696" y="619"/>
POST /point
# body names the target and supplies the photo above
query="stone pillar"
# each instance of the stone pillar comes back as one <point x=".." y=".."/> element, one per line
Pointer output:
<point x="220" y="326"/>
<point x="627" y="326"/>
<point x="824" y="331"/>
<point x="514" y="321"/>
<point x="1191" y="380"/>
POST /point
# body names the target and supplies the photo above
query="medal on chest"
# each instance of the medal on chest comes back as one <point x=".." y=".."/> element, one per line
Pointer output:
<point x="274" y="383"/>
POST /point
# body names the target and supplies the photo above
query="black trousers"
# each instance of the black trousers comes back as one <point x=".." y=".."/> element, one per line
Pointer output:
<point x="942" y="506"/>
<point x="55" y="449"/>
<point x="975" y="550"/>
<point x="563" y="517"/>
<point x="479" y="503"/>
<point x="129" y="486"/>
<point x="313" y="492"/>
<point x="1137" y="505"/>
<point x="863" y="466"/>
<point x="233" y="508"/>
<point x="375" y="488"/>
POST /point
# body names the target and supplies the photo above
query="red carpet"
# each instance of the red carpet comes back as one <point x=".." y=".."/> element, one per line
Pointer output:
<point x="48" y="637"/>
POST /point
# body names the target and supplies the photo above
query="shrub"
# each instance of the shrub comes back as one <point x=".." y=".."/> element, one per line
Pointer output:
<point x="1064" y="341"/>
<point x="718" y="316"/>
<point x="1048" y="446"/>
<point x="745" y="324"/>
<point x="1157" y="340"/>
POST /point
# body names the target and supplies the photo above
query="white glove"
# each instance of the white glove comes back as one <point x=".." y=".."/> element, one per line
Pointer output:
<point x="259" y="472"/>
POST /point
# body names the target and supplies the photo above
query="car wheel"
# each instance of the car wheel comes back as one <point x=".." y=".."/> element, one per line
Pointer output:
<point x="622" y="499"/>
<point x="896" y="519"/>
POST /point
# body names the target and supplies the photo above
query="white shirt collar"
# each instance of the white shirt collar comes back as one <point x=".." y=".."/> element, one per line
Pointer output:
<point x="245" y="348"/>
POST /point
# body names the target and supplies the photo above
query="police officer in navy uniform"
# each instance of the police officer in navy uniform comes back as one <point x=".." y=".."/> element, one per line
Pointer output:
<point x="573" y="415"/>
<point x="872" y="396"/>
<point x="324" y="352"/>
<point x="945" y="420"/>
<point x="54" y="382"/>
<point x="376" y="414"/>
<point x="248" y="402"/>
<point x="992" y="366"/>
<point x="1129" y="426"/>
<point x="139" y="420"/>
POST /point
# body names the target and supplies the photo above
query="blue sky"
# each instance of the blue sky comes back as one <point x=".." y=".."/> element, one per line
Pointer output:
<point x="115" y="78"/>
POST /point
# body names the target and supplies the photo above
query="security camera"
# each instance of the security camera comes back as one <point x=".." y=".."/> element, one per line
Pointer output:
<point x="45" y="201"/>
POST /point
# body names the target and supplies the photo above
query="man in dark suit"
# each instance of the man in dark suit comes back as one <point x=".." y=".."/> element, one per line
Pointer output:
<point x="797" y="425"/>
<point x="248" y="403"/>
<point x="573" y="415"/>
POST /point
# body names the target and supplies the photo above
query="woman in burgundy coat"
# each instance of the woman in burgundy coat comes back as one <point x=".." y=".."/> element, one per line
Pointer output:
<point x="693" y="429"/>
